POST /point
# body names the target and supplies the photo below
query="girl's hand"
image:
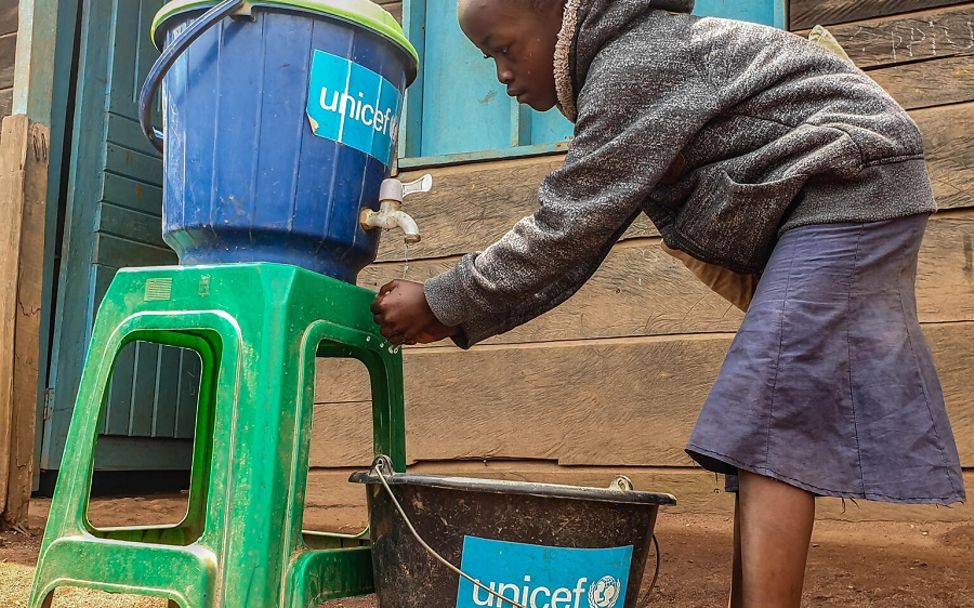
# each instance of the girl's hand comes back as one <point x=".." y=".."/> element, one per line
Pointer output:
<point x="405" y="317"/>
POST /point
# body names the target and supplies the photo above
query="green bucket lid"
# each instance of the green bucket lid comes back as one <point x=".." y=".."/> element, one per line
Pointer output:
<point x="360" y="12"/>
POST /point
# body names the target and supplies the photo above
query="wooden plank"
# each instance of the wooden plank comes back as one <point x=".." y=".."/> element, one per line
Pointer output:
<point x="939" y="33"/>
<point x="6" y="102"/>
<point x="629" y="401"/>
<point x="110" y="249"/>
<point x="950" y="153"/>
<point x="535" y="401"/>
<point x="102" y="276"/>
<point x="8" y="47"/>
<point x="189" y="394"/>
<point x="640" y="290"/>
<point x="144" y="390"/>
<point x="24" y="157"/>
<point x="133" y="164"/>
<point x="471" y="206"/>
<point x="124" y="34"/>
<point x="124" y="192"/>
<point x="945" y="283"/>
<point x="13" y="145"/>
<point x="118" y="406"/>
<point x="164" y="417"/>
<point x="44" y="65"/>
<point x="75" y="304"/>
<point x="8" y="16"/>
<point x="809" y="13"/>
<point x="132" y="225"/>
<point x="126" y="131"/>
<point x="333" y="503"/>
<point x="951" y="345"/>
<point x="137" y="454"/>
<point x="47" y="75"/>
<point x="927" y="84"/>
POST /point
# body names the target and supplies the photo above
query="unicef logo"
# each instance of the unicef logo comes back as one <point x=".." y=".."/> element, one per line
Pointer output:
<point x="604" y="593"/>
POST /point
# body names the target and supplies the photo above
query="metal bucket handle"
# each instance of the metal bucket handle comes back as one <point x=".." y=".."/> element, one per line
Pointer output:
<point x="168" y="58"/>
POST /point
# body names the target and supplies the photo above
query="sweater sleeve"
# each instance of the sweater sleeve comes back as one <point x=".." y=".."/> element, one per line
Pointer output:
<point x="629" y="130"/>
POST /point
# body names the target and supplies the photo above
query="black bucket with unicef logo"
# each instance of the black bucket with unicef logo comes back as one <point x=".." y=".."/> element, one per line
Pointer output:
<point x="517" y="544"/>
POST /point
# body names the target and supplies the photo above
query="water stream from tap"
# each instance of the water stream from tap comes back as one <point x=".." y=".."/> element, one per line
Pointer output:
<point x="405" y="257"/>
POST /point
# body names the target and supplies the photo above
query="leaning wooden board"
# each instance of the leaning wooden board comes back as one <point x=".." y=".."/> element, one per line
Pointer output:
<point x="24" y="156"/>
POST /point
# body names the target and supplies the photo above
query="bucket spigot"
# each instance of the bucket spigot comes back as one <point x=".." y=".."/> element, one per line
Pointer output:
<point x="391" y="194"/>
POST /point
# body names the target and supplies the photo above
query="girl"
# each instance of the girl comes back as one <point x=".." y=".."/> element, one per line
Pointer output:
<point x="759" y="152"/>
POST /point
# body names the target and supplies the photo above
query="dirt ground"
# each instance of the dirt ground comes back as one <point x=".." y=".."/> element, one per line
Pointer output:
<point x="889" y="565"/>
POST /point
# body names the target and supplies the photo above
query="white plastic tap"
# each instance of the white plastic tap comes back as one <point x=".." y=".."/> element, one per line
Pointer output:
<point x="391" y="194"/>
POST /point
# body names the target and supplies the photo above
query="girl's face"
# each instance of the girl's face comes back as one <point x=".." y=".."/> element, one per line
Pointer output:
<point x="521" y="41"/>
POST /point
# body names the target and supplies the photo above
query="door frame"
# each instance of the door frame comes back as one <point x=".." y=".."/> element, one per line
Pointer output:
<point x="43" y="89"/>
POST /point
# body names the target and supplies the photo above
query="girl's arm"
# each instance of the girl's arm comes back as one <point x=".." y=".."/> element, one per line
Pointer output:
<point x="628" y="133"/>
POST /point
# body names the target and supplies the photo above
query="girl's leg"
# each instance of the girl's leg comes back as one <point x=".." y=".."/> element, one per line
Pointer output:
<point x="735" y="600"/>
<point x="776" y="522"/>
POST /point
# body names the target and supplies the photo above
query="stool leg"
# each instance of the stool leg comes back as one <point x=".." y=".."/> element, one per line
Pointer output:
<point x="388" y="410"/>
<point x="200" y="470"/>
<point x="71" y="552"/>
<point x="320" y="575"/>
<point x="69" y="505"/>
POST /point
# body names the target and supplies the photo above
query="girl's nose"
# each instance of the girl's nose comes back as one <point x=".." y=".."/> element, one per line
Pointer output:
<point x="504" y="75"/>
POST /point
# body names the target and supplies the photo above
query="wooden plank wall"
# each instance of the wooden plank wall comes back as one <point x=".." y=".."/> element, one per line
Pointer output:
<point x="612" y="381"/>
<point x="8" y="44"/>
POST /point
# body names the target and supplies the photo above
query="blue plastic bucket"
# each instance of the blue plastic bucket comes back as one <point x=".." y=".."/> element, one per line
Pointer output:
<point x="279" y="128"/>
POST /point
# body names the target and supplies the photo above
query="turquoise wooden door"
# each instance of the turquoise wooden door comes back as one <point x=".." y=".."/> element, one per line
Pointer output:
<point x="112" y="220"/>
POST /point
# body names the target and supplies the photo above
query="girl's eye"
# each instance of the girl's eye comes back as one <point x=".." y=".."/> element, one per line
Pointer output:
<point x="505" y="50"/>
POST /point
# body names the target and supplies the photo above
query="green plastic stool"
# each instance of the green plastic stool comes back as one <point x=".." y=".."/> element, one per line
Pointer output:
<point x="257" y="329"/>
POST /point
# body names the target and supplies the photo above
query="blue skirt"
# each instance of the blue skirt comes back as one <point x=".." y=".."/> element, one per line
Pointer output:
<point x="829" y="384"/>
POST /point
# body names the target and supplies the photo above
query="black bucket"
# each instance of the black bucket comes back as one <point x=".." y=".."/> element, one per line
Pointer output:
<point x="539" y="545"/>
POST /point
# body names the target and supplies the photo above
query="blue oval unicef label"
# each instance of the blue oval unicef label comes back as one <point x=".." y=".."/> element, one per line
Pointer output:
<point x="353" y="105"/>
<point x="537" y="576"/>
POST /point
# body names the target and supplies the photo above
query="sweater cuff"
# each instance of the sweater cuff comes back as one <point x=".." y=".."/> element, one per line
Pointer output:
<point x="446" y="298"/>
<point x="452" y="306"/>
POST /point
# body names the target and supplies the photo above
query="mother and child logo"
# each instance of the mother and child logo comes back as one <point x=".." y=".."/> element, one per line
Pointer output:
<point x="537" y="576"/>
<point x="352" y="105"/>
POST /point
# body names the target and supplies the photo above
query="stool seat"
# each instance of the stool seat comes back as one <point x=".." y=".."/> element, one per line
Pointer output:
<point x="257" y="329"/>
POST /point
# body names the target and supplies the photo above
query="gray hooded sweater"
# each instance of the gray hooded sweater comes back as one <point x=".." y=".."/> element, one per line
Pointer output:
<point x="724" y="133"/>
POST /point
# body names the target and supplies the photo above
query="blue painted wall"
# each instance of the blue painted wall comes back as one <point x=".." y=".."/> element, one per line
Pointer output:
<point x="459" y="106"/>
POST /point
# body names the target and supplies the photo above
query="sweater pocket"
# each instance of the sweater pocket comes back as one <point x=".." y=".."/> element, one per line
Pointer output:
<point x="736" y="225"/>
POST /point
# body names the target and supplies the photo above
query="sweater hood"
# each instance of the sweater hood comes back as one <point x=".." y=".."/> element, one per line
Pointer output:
<point x="586" y="26"/>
